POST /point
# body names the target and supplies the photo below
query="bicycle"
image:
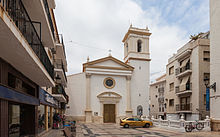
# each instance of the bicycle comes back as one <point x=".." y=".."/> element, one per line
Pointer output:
<point x="199" y="126"/>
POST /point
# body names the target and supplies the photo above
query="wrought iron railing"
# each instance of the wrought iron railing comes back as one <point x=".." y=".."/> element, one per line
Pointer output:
<point x="184" y="68"/>
<point x="184" y="107"/>
<point x="161" y="89"/>
<point x="161" y="99"/>
<point x="188" y="87"/>
<point x="49" y="16"/>
<point x="58" y="89"/>
<point x="20" y="17"/>
<point x="58" y="63"/>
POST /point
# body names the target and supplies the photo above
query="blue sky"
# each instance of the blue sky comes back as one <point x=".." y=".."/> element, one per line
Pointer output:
<point x="191" y="15"/>
<point x="92" y="27"/>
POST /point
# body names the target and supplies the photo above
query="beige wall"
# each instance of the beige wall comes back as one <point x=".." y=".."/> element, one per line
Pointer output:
<point x="215" y="57"/>
<point x="154" y="95"/>
<point x="193" y="50"/>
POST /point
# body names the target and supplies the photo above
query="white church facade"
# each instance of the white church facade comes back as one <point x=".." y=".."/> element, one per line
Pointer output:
<point x="109" y="89"/>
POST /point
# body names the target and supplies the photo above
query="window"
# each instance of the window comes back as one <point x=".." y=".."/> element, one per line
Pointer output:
<point x="171" y="102"/>
<point x="171" y="86"/>
<point x="139" y="110"/>
<point x="206" y="56"/>
<point x="171" y="70"/>
<point x="162" y="109"/>
<point x="204" y="99"/>
<point x="152" y="105"/>
<point x="127" y="47"/>
<point x="130" y="119"/>
<point x="139" y="42"/>
<point x="159" y="109"/>
<point x="11" y="80"/>
<point x="206" y="75"/>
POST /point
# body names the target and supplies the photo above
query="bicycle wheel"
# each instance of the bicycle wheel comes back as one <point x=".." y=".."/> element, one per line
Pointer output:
<point x="188" y="128"/>
<point x="199" y="126"/>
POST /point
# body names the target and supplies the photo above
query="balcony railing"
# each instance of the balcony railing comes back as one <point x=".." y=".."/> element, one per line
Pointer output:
<point x="184" y="107"/>
<point x="161" y="99"/>
<point x="60" y="41"/>
<point x="183" y="69"/>
<point x="49" y="16"/>
<point x="188" y="87"/>
<point x="59" y="65"/>
<point x="58" y="89"/>
<point x="161" y="89"/>
<point x="20" y="17"/>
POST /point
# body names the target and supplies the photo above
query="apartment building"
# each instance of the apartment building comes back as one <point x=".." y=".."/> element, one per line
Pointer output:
<point x="32" y="67"/>
<point x="185" y="73"/>
<point x="157" y="99"/>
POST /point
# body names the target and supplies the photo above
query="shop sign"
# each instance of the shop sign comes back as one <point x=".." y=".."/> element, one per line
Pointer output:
<point x="49" y="99"/>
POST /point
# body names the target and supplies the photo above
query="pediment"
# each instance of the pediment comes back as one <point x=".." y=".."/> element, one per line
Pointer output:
<point x="107" y="63"/>
<point x="109" y="95"/>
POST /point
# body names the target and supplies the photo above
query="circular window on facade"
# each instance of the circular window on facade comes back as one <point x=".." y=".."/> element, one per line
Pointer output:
<point x="109" y="82"/>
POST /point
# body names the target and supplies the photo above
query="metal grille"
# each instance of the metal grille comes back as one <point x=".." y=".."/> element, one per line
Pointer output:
<point x="19" y="15"/>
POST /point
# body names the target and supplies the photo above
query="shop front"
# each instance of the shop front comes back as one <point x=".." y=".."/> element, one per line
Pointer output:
<point x="18" y="103"/>
<point x="46" y="110"/>
<point x="17" y="113"/>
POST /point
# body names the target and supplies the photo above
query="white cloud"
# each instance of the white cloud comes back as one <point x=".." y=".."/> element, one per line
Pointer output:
<point x="94" y="26"/>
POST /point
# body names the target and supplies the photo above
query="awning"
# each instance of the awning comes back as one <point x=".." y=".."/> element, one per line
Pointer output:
<point x="12" y="95"/>
<point x="184" y="62"/>
<point x="183" y="83"/>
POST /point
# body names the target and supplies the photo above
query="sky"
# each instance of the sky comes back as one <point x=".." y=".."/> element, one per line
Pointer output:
<point x="93" y="27"/>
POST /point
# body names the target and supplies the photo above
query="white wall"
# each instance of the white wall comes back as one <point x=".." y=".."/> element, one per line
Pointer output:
<point x="140" y="85"/>
<point x="76" y="90"/>
<point x="97" y="87"/>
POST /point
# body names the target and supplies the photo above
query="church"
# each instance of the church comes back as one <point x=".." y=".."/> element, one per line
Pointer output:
<point x="109" y="89"/>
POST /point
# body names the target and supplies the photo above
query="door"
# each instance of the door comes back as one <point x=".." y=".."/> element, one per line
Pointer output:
<point x="109" y="113"/>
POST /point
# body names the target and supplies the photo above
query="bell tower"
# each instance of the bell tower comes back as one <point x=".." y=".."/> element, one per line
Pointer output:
<point x="136" y="54"/>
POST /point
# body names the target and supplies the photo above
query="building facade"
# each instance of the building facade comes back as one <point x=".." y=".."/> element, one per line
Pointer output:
<point x="215" y="63"/>
<point x="185" y="73"/>
<point x="109" y="89"/>
<point x="29" y="47"/>
<point x="157" y="98"/>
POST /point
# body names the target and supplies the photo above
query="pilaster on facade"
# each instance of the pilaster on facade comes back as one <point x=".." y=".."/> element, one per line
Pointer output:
<point x="88" y="111"/>
<point x="128" y="85"/>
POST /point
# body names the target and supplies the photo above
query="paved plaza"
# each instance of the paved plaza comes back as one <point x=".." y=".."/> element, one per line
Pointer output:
<point x="114" y="130"/>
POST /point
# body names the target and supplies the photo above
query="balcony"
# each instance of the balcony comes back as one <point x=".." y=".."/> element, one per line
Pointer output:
<point x="187" y="69"/>
<point x="186" y="89"/>
<point x="161" y="99"/>
<point x="40" y="10"/>
<point x="161" y="89"/>
<point x="60" y="72"/>
<point x="60" y="50"/>
<point x="59" y="93"/>
<point x="20" y="34"/>
<point x="184" y="107"/>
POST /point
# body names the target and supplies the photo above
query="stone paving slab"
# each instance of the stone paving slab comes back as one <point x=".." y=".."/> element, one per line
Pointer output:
<point x="114" y="130"/>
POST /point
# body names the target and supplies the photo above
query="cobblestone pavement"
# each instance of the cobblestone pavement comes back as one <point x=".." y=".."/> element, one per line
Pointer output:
<point x="54" y="133"/>
<point x="114" y="130"/>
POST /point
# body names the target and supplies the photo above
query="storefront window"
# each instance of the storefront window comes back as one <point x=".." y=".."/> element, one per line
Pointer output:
<point x="41" y="118"/>
<point x="14" y="120"/>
